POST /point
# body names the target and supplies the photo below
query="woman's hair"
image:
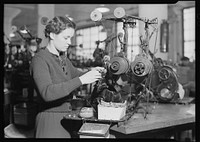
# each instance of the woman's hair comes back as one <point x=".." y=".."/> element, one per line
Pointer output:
<point x="57" y="25"/>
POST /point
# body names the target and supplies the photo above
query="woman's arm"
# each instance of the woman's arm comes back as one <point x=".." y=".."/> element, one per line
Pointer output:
<point x="47" y="89"/>
<point x="74" y="71"/>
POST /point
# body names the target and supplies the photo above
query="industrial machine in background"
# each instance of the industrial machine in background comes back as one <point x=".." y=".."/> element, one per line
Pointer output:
<point x="17" y="79"/>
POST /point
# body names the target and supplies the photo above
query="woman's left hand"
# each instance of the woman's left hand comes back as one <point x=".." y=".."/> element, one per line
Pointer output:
<point x="100" y="69"/>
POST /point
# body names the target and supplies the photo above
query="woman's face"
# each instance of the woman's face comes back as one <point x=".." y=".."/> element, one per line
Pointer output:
<point x="62" y="40"/>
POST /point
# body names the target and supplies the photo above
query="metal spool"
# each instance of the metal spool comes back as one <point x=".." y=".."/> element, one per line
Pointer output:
<point x="96" y="15"/>
<point x="119" y="12"/>
<point x="141" y="66"/>
<point x="164" y="73"/>
<point x="167" y="89"/>
<point x="119" y="65"/>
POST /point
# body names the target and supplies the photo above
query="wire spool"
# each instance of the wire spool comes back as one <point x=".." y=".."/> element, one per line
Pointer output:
<point x="164" y="73"/>
<point x="119" y="12"/>
<point x="168" y="87"/>
<point x="141" y="66"/>
<point x="166" y="91"/>
<point x="119" y="65"/>
<point x="96" y="15"/>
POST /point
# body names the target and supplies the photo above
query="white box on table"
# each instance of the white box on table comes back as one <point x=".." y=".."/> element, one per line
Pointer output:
<point x="111" y="111"/>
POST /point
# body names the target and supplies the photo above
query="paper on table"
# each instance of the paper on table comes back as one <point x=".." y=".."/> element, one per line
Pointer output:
<point x="191" y="109"/>
<point x="94" y="128"/>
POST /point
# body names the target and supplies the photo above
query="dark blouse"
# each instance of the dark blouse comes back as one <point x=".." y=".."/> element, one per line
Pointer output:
<point x="54" y="78"/>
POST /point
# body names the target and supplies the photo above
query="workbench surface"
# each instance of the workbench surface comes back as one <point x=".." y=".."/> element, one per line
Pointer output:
<point x="162" y="116"/>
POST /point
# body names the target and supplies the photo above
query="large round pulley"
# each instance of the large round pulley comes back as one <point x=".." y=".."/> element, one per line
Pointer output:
<point x="96" y="15"/>
<point x="119" y="65"/>
<point x="141" y="66"/>
<point x="165" y="93"/>
<point x="167" y="90"/>
<point x="164" y="73"/>
<point x="119" y="12"/>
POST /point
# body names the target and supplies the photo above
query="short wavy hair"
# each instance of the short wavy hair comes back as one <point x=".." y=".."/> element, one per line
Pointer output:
<point x="57" y="25"/>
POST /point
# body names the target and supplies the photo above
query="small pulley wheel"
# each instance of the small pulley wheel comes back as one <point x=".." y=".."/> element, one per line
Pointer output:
<point x="96" y="15"/>
<point x="139" y="68"/>
<point x="164" y="74"/>
<point x="119" y="12"/>
<point x="119" y="65"/>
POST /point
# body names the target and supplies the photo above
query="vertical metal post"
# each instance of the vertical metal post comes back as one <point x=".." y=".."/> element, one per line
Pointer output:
<point x="125" y="42"/>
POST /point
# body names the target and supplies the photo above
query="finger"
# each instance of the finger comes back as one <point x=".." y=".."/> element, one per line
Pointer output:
<point x="99" y="68"/>
<point x="93" y="72"/>
<point x="96" y="72"/>
<point x="98" y="76"/>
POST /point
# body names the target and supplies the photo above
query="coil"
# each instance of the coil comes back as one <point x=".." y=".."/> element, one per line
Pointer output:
<point x="141" y="66"/>
<point x="164" y="73"/>
<point x="168" y="87"/>
<point x="119" y="65"/>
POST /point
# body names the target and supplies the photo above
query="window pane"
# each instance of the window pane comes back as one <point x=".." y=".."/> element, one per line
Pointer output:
<point x="102" y="36"/>
<point x="133" y="40"/>
<point x="94" y="30"/>
<point x="189" y="32"/>
<point x="88" y="39"/>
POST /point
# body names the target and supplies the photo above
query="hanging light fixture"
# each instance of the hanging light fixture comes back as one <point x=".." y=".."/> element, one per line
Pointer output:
<point x="102" y="8"/>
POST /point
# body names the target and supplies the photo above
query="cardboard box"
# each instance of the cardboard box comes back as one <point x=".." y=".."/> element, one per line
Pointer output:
<point x="111" y="111"/>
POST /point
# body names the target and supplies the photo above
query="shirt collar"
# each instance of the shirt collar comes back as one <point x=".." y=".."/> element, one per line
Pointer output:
<point x="53" y="51"/>
<point x="60" y="56"/>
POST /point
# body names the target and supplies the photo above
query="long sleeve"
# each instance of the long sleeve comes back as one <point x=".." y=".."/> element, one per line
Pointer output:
<point x="42" y="76"/>
<point x="75" y="72"/>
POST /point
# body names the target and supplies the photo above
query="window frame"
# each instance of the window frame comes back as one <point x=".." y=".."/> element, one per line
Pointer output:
<point x="183" y="37"/>
<point x="89" y="27"/>
<point x="133" y="45"/>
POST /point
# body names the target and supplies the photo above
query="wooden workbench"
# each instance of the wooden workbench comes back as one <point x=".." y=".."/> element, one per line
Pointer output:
<point x="163" y="116"/>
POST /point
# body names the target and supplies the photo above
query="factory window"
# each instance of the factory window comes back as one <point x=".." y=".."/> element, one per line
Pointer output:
<point x="189" y="33"/>
<point x="87" y="37"/>
<point x="133" y="40"/>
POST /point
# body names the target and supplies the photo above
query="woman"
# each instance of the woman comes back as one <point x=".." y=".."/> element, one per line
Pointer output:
<point x="55" y="78"/>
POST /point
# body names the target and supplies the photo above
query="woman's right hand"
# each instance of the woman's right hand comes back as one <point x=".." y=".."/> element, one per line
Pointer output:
<point x="90" y="77"/>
